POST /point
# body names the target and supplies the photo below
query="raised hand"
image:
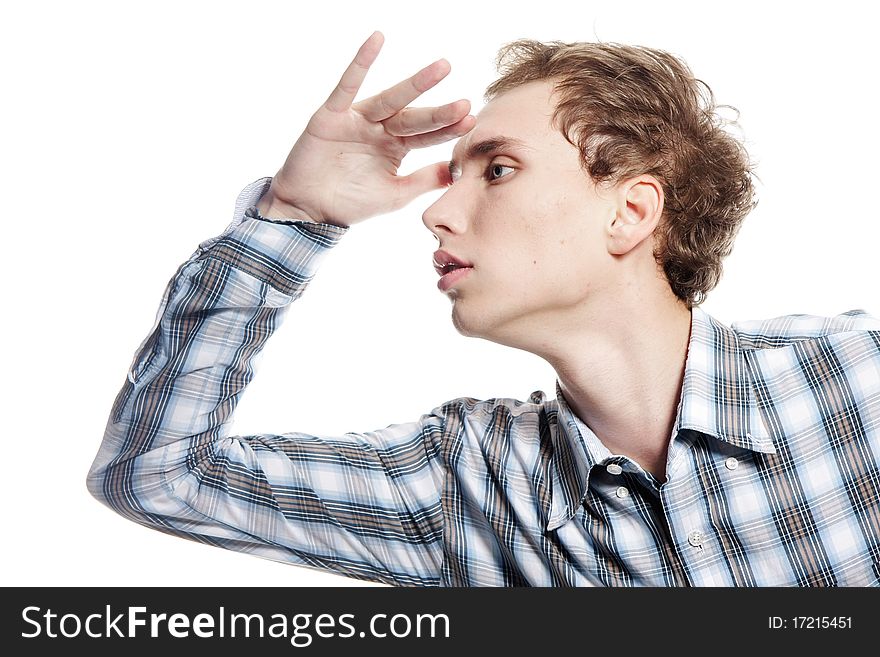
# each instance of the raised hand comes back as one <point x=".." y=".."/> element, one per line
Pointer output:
<point x="343" y="168"/>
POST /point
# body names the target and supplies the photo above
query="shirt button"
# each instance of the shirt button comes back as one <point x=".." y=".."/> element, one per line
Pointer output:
<point x="613" y="468"/>
<point x="731" y="463"/>
<point x="695" y="538"/>
<point x="622" y="492"/>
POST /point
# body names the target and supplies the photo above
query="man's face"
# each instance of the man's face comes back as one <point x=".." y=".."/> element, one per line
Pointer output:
<point x="530" y="222"/>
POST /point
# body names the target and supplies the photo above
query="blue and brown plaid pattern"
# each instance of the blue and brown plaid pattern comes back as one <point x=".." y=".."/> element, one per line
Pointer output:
<point x="772" y="475"/>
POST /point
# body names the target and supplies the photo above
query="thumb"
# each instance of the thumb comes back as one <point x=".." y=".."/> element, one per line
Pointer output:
<point x="428" y="178"/>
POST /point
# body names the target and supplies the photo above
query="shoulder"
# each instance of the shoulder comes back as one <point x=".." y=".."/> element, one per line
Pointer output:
<point x="479" y="425"/>
<point x="785" y="330"/>
<point x="472" y="408"/>
<point x="497" y="440"/>
<point x="816" y="384"/>
<point x="835" y="357"/>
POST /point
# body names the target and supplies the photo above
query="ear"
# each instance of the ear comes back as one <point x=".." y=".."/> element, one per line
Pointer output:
<point x="638" y="209"/>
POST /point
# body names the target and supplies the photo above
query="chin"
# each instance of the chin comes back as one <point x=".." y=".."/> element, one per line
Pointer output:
<point x="461" y="326"/>
<point x="473" y="324"/>
<point x="464" y="324"/>
<point x="496" y="322"/>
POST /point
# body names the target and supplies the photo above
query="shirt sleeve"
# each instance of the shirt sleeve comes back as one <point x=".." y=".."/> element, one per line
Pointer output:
<point x="363" y="505"/>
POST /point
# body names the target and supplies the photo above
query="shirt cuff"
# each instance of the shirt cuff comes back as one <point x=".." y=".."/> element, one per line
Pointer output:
<point x="284" y="253"/>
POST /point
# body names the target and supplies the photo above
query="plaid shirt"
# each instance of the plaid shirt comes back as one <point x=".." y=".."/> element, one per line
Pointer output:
<point x="772" y="473"/>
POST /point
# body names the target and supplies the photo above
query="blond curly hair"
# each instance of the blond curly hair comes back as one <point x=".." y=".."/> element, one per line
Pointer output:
<point x="632" y="110"/>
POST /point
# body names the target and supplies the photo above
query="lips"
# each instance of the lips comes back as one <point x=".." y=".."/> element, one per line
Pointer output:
<point x="446" y="262"/>
<point x="450" y="269"/>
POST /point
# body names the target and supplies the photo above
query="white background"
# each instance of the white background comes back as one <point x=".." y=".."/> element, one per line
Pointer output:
<point x="128" y="130"/>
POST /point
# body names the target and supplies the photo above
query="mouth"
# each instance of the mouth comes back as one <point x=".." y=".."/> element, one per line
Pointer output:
<point x="450" y="269"/>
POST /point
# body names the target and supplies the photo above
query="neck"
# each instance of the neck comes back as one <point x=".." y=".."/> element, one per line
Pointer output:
<point x="622" y="374"/>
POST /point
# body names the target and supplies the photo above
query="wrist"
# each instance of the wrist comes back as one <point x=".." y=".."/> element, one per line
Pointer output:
<point x="271" y="207"/>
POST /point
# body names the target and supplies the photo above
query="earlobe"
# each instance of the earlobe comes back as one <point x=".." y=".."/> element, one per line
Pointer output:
<point x="619" y="236"/>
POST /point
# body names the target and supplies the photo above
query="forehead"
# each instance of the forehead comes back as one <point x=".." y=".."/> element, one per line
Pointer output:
<point x="524" y="113"/>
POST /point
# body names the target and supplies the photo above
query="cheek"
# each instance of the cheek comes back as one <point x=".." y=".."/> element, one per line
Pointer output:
<point x="557" y="235"/>
<point x="535" y="230"/>
<point x="568" y="260"/>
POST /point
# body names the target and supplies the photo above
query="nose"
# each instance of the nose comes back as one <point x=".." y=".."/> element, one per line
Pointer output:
<point x="447" y="214"/>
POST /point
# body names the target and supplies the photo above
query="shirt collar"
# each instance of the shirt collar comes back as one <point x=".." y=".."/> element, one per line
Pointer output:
<point x="717" y="399"/>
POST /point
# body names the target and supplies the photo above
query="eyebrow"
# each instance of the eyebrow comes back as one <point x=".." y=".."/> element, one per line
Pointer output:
<point x="487" y="147"/>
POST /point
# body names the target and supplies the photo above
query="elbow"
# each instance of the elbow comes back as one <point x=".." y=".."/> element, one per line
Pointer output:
<point x="95" y="482"/>
<point x="113" y="485"/>
<point x="103" y="483"/>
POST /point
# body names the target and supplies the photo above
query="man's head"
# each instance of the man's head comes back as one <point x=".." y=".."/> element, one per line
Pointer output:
<point x="631" y="111"/>
<point x="624" y="172"/>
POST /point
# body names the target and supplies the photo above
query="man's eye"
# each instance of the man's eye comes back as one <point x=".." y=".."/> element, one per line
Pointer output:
<point x="496" y="171"/>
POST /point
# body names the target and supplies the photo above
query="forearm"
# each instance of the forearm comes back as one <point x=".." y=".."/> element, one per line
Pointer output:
<point x="218" y="311"/>
<point x="167" y="461"/>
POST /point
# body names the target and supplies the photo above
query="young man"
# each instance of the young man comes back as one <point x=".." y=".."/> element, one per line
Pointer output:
<point x="587" y="212"/>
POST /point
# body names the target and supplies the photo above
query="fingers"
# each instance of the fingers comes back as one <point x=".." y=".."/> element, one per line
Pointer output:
<point x="417" y="120"/>
<point x="442" y="135"/>
<point x="350" y="83"/>
<point x="391" y="101"/>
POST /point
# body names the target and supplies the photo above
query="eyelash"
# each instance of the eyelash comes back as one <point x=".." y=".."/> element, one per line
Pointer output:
<point x="488" y="172"/>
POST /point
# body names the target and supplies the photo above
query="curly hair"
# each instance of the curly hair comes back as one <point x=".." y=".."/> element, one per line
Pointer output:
<point x="631" y="110"/>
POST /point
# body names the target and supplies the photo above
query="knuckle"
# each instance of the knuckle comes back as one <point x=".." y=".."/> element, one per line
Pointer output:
<point x="404" y="120"/>
<point x="384" y="105"/>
